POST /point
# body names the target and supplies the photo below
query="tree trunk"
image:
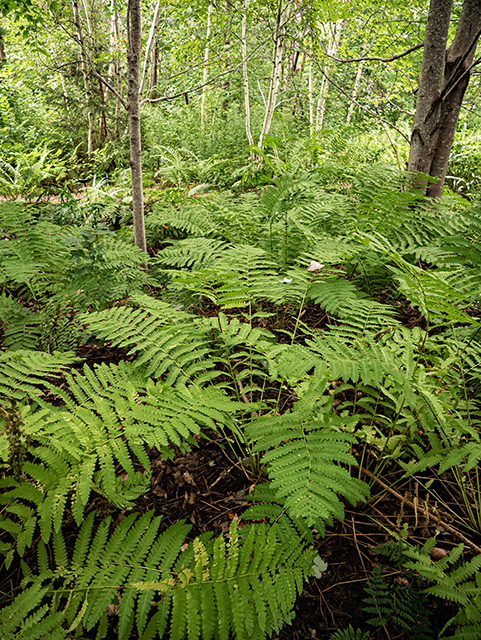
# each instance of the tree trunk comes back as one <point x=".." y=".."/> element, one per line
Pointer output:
<point x="154" y="71"/>
<point x="3" y="56"/>
<point x="65" y="97"/>
<point x="206" y="61"/>
<point x="86" y="77"/>
<point x="355" y="91"/>
<point x="311" y="98"/>
<point x="444" y="79"/>
<point x="114" y="67"/>
<point x="245" y="76"/>
<point x="150" y="43"/>
<point x="277" y="58"/>
<point x="134" y="29"/>
<point x="333" y="33"/>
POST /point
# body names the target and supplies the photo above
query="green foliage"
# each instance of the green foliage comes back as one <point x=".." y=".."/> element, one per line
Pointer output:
<point x="290" y="400"/>
<point x="350" y="634"/>
<point x="397" y="606"/>
<point x="24" y="173"/>
<point x="452" y="579"/>
<point x="246" y="587"/>
<point x="304" y="452"/>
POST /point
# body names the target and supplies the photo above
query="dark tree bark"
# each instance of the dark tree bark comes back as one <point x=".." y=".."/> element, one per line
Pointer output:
<point x="134" y="27"/>
<point x="3" y="57"/>
<point x="445" y="75"/>
<point x="154" y="65"/>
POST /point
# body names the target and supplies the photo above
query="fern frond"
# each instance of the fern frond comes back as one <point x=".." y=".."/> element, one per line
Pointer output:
<point x="304" y="450"/>
<point x="440" y="295"/>
<point x="166" y="584"/>
<point x="191" y="252"/>
<point x="25" y="619"/>
<point x="180" y="351"/>
<point x="22" y="372"/>
<point x="350" y="634"/>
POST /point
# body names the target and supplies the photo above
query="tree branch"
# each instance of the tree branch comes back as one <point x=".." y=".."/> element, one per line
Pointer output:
<point x="108" y="85"/>
<point x="372" y="113"/>
<point x="420" y="45"/>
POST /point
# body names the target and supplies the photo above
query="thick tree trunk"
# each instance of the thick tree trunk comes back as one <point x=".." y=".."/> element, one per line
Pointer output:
<point x="134" y="28"/>
<point x="444" y="79"/>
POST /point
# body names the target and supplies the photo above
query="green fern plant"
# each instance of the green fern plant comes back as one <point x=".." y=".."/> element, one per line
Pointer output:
<point x="79" y="449"/>
<point x="350" y="634"/>
<point x="304" y="451"/>
<point x="245" y="587"/>
<point x="398" y="607"/>
<point x="453" y="579"/>
<point x="169" y="341"/>
<point x="23" y="372"/>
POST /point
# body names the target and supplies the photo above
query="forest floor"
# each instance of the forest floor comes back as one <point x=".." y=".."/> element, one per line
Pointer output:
<point x="208" y="488"/>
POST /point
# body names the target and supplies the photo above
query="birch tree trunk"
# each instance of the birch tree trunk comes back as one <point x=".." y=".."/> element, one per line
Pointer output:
<point x="333" y="34"/>
<point x="355" y="91"/>
<point x="247" y="106"/>
<point x="206" y="60"/>
<point x="86" y="77"/>
<point x="445" y="75"/>
<point x="283" y="15"/>
<point x="148" y="48"/>
<point x="134" y="30"/>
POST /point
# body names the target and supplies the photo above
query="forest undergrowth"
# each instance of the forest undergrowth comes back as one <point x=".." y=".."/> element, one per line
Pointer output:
<point x="271" y="431"/>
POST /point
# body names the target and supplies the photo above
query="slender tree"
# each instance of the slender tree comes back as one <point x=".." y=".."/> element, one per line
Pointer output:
<point x="282" y="17"/>
<point x="245" y="76"/>
<point x="86" y="74"/>
<point x="206" y="62"/>
<point x="134" y="30"/>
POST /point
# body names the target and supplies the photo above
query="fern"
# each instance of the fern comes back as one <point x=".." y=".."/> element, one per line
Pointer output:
<point x="350" y="634"/>
<point x="25" y="618"/>
<point x="179" y="350"/>
<point x="23" y="372"/>
<point x="241" y="276"/>
<point x="36" y="256"/>
<point x="246" y="587"/>
<point x="461" y="585"/>
<point x="304" y="449"/>
<point x="439" y="295"/>
<point x="21" y="328"/>
<point x="78" y="450"/>
<point x="404" y="608"/>
<point x="191" y="252"/>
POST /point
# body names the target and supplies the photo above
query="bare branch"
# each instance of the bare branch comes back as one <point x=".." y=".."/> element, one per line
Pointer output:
<point x="107" y="84"/>
<point x="372" y="113"/>
<point x="420" y="45"/>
